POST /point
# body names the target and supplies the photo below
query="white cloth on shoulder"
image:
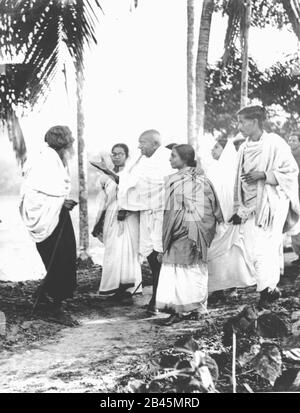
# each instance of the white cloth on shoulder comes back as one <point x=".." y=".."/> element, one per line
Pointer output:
<point x="44" y="190"/>
<point x="141" y="188"/>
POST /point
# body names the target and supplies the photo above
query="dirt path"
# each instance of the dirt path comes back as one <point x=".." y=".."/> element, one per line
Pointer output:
<point x="91" y="357"/>
<point x="111" y="344"/>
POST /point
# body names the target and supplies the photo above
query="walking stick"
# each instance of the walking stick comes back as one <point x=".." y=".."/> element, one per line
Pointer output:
<point x="42" y="286"/>
<point x="137" y="288"/>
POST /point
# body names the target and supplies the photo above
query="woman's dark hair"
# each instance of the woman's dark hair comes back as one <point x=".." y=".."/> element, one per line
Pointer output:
<point x="171" y="145"/>
<point x="58" y="137"/>
<point x="254" y="112"/>
<point x="186" y="153"/>
<point x="123" y="146"/>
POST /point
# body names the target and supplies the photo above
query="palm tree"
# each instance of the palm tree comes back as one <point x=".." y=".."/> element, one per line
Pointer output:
<point x="239" y="22"/>
<point x="245" y="54"/>
<point x="36" y="30"/>
<point x="202" y="60"/>
<point x="191" y="75"/>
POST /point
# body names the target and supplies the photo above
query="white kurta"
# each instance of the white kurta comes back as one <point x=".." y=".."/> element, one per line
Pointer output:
<point x="121" y="265"/>
<point x="45" y="188"/>
<point x="141" y="188"/>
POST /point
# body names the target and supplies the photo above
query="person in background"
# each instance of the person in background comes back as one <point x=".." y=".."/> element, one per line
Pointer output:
<point x="191" y="214"/>
<point x="228" y="263"/>
<point x="121" y="270"/>
<point x="141" y="188"/>
<point x="44" y="208"/>
<point x="171" y="146"/>
<point x="266" y="199"/>
<point x="294" y="142"/>
<point x="237" y="141"/>
<point x="218" y="148"/>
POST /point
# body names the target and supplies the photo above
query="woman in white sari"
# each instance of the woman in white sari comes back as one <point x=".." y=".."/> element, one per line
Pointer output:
<point x="121" y="270"/>
<point x="228" y="263"/>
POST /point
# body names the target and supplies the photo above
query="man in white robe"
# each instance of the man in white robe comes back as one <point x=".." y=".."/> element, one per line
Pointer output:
<point x="266" y="201"/>
<point x="141" y="188"/>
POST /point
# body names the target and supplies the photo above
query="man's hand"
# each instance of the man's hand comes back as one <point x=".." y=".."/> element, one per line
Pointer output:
<point x="69" y="204"/>
<point x="253" y="177"/>
<point x="235" y="219"/>
<point x="122" y="214"/>
<point x="160" y="257"/>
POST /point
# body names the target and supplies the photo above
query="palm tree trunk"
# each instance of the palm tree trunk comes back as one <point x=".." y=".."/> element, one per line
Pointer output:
<point x="245" y="55"/>
<point x="84" y="259"/>
<point x="191" y="75"/>
<point x="202" y="59"/>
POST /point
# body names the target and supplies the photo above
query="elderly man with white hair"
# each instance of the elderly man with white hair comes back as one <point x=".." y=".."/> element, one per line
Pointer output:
<point x="141" y="188"/>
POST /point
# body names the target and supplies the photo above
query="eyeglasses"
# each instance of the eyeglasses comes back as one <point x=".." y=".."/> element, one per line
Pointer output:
<point x="117" y="155"/>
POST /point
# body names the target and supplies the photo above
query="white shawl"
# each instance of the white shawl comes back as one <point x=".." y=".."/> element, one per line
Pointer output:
<point x="45" y="188"/>
<point x="141" y="187"/>
<point x="278" y="163"/>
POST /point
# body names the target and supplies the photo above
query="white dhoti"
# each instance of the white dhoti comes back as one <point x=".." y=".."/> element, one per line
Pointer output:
<point x="264" y="247"/>
<point x="229" y="263"/>
<point x="182" y="288"/>
<point x="150" y="232"/>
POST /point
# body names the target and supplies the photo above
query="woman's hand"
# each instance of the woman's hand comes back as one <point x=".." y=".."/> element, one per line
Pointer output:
<point x="253" y="177"/>
<point x="69" y="204"/>
<point x="122" y="214"/>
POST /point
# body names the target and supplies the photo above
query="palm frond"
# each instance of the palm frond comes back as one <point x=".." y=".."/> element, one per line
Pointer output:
<point x="78" y="25"/>
<point x="33" y="31"/>
<point x="292" y="8"/>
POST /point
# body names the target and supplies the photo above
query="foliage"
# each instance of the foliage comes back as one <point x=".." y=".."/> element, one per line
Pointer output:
<point x="33" y="31"/>
<point x="277" y="13"/>
<point x="277" y="88"/>
<point x="223" y="88"/>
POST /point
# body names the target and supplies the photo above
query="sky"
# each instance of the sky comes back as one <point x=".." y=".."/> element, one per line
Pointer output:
<point x="136" y="75"/>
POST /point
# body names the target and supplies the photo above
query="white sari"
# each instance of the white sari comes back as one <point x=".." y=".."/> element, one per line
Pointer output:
<point x="229" y="265"/>
<point x="121" y="267"/>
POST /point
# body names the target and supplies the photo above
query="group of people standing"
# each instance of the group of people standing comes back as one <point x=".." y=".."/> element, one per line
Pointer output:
<point x="200" y="232"/>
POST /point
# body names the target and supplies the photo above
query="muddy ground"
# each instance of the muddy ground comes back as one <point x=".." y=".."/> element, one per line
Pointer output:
<point x="112" y="344"/>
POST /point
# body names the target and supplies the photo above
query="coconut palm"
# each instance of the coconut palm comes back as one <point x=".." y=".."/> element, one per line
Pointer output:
<point x="191" y="75"/>
<point x="35" y="30"/>
<point x="202" y="61"/>
<point x="243" y="13"/>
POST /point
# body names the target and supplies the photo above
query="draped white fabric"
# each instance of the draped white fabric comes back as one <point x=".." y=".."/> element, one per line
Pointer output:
<point x="45" y="188"/>
<point x="141" y="188"/>
<point x="121" y="241"/>
<point x="182" y="288"/>
<point x="229" y="264"/>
